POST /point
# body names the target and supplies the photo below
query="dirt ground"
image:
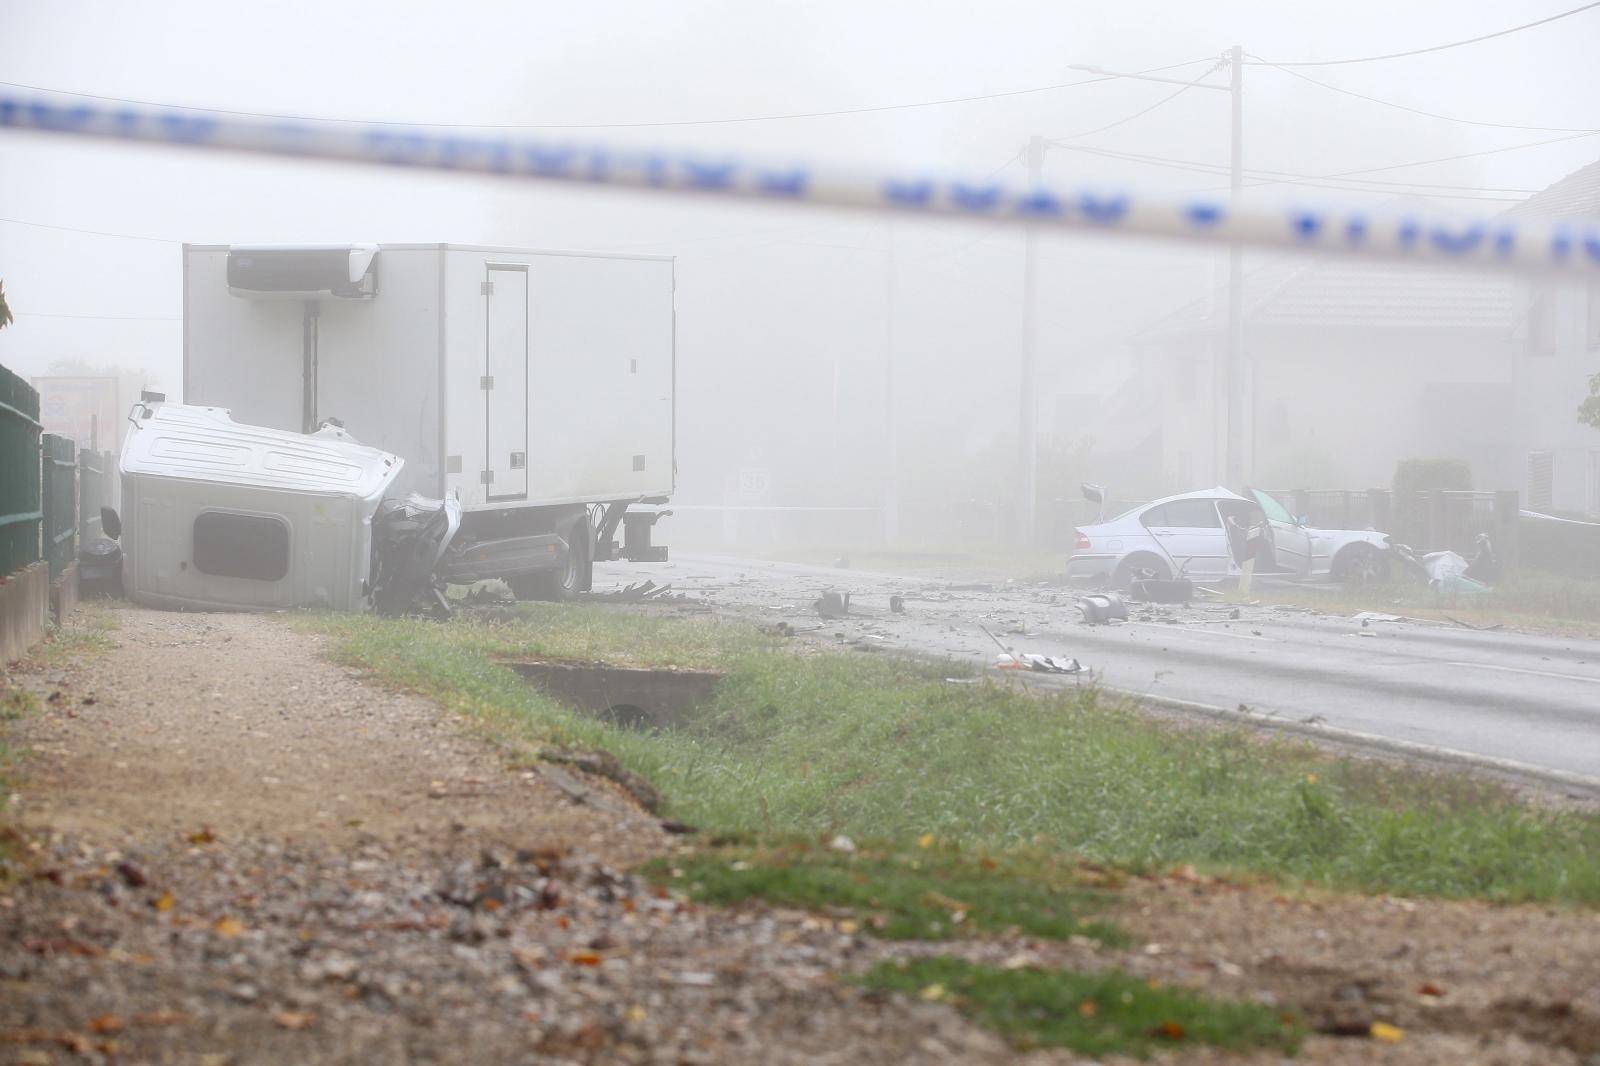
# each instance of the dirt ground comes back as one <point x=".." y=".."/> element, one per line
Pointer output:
<point x="234" y="851"/>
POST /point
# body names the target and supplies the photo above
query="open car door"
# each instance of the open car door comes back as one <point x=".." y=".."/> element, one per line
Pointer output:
<point x="1290" y="541"/>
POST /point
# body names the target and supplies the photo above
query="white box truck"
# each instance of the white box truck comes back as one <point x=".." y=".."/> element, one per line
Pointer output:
<point x="537" y="388"/>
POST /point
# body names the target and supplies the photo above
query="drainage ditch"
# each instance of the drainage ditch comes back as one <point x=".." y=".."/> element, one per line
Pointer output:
<point x="631" y="697"/>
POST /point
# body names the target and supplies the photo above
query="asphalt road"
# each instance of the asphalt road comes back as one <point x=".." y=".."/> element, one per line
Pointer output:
<point x="1526" y="698"/>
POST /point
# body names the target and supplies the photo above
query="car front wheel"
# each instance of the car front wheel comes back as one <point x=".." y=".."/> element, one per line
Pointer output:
<point x="1360" y="564"/>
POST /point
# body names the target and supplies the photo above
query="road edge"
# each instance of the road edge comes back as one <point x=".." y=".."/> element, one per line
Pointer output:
<point x="1563" y="779"/>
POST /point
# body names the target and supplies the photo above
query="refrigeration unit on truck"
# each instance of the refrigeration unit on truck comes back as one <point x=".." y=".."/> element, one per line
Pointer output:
<point x="535" y="388"/>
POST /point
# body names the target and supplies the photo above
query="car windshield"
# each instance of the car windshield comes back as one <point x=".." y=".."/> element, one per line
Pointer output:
<point x="1274" y="510"/>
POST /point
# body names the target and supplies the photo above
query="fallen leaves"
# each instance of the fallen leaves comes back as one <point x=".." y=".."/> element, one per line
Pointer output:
<point x="293" y="1019"/>
<point x="204" y="836"/>
<point x="107" y="1023"/>
<point x="1388" y="1034"/>
<point x="1169" y="1030"/>
<point x="585" y="958"/>
<point x="164" y="902"/>
<point x="932" y="993"/>
<point x="228" y="927"/>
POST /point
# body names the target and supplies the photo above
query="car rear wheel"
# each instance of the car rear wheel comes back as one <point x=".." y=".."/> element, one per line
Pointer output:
<point x="1140" y="567"/>
<point x="565" y="583"/>
<point x="1360" y="564"/>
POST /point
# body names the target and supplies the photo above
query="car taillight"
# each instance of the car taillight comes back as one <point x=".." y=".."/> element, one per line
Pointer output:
<point x="1082" y="543"/>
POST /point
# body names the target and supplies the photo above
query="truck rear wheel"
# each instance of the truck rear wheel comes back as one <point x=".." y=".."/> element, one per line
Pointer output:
<point x="567" y="582"/>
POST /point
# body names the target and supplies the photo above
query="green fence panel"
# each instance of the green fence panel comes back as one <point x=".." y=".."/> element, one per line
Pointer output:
<point x="91" y="494"/>
<point x="20" y="510"/>
<point x="60" y="469"/>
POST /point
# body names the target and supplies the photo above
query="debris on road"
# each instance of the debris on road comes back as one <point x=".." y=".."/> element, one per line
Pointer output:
<point x="1156" y="590"/>
<point x="1046" y="664"/>
<point x="1365" y="617"/>
<point x="641" y="592"/>
<point x="1469" y="625"/>
<point x="897" y="604"/>
<point x="832" y="604"/>
<point x="1101" y="608"/>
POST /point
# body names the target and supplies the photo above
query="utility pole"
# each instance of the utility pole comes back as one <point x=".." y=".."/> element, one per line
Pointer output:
<point x="1027" y="402"/>
<point x="891" y="452"/>
<point x="1233" y="447"/>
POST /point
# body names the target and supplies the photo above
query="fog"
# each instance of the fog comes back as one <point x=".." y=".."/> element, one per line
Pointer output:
<point x="789" y="322"/>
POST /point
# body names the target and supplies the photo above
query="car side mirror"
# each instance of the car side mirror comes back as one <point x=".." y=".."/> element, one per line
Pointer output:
<point x="1302" y="520"/>
<point x="1093" y="493"/>
<point x="110" y="523"/>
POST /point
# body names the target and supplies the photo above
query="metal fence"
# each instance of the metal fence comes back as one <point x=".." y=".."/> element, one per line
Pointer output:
<point x="1427" y="520"/>
<point x="59" y="476"/>
<point x="20" y="511"/>
<point x="95" y="470"/>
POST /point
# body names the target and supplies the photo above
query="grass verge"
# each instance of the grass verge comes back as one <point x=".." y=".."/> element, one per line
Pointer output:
<point x="886" y="749"/>
<point x="1092" y="1014"/>
<point x="926" y="893"/>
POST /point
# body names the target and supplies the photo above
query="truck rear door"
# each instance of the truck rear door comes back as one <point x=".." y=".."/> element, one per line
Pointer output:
<point x="505" y="383"/>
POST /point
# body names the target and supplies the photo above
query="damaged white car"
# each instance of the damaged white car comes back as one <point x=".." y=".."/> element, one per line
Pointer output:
<point x="1205" y="536"/>
<point x="222" y="515"/>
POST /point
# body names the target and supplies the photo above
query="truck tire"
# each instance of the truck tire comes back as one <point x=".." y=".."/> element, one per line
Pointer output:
<point x="563" y="584"/>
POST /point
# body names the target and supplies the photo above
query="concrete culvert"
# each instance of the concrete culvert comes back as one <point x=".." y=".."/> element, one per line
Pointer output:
<point x="628" y="716"/>
<point x="628" y="696"/>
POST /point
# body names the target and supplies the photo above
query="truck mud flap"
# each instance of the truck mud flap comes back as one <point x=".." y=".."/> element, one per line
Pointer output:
<point x="507" y="557"/>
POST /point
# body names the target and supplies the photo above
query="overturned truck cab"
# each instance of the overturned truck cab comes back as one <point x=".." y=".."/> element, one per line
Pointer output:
<point x="221" y="515"/>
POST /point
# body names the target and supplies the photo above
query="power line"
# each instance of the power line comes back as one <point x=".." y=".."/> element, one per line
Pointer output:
<point x="1419" y="111"/>
<point x="1433" y="48"/>
<point x="603" y="125"/>
<point x="1222" y="168"/>
<point x="1145" y="111"/>
<point x="1308" y="180"/>
<point x="110" y="318"/>
<point x="92" y="232"/>
<point x="1346" y="174"/>
<point x="1453" y="158"/>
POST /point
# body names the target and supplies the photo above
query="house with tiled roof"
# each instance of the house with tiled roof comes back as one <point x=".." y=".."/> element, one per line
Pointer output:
<point x="1351" y="367"/>
<point x="1560" y="332"/>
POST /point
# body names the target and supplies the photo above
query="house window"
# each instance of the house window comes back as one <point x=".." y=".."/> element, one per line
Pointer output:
<point x="1541" y="479"/>
<point x="1188" y="378"/>
<point x="241" y="545"/>
<point x="1592" y="333"/>
<point x="1542" y="321"/>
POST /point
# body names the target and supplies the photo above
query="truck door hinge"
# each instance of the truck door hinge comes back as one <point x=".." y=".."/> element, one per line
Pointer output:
<point x="487" y="477"/>
<point x="486" y="382"/>
<point x="485" y="288"/>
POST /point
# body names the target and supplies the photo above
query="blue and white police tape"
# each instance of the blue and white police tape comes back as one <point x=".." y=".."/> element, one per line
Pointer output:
<point x="1513" y="244"/>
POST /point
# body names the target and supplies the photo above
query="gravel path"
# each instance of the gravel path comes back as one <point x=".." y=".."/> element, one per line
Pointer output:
<point x="243" y="853"/>
<point x="237" y="852"/>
